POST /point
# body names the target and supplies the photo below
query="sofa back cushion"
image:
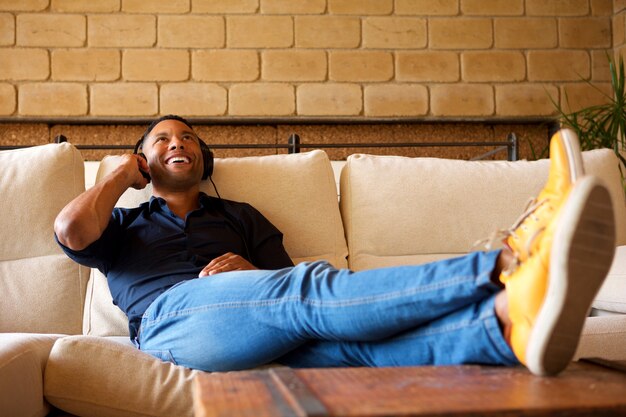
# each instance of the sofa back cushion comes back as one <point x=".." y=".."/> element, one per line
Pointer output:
<point x="400" y="211"/>
<point x="296" y="192"/>
<point x="42" y="290"/>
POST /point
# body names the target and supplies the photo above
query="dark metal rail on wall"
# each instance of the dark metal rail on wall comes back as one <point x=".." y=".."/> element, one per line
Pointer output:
<point x="294" y="145"/>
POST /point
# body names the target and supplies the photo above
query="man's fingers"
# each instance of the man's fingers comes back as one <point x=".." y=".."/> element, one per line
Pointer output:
<point x="225" y="263"/>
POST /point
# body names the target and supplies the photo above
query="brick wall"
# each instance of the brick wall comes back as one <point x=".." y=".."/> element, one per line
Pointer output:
<point x="619" y="31"/>
<point x="431" y="59"/>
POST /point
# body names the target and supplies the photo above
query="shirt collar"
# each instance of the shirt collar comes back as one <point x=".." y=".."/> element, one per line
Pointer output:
<point x="158" y="203"/>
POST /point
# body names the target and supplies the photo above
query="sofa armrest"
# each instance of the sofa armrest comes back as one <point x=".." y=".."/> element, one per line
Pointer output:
<point x="603" y="337"/>
<point x="23" y="358"/>
<point x="611" y="297"/>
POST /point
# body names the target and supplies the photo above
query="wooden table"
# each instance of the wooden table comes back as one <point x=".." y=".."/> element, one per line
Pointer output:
<point x="583" y="389"/>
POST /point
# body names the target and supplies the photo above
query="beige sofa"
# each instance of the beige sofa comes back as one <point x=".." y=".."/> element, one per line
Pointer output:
<point x="64" y="345"/>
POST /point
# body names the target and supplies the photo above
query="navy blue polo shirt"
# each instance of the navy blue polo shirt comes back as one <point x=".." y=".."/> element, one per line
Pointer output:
<point x="147" y="249"/>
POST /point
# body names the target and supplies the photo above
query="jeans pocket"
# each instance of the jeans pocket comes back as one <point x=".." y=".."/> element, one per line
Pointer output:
<point x="164" y="355"/>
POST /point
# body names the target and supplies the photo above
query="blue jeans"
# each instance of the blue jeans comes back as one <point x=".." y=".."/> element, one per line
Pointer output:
<point x="313" y="315"/>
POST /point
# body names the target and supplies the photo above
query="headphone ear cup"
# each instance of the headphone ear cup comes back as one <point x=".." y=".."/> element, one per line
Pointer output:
<point x="207" y="159"/>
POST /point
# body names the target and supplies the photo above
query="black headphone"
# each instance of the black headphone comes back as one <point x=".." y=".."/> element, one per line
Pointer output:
<point x="207" y="154"/>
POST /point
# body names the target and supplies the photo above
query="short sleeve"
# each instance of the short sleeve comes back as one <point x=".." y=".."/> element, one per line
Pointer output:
<point x="101" y="253"/>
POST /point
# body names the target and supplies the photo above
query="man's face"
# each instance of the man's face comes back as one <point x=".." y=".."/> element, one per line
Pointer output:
<point x="174" y="155"/>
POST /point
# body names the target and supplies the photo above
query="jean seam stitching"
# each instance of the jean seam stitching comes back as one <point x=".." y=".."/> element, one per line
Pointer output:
<point x="346" y="303"/>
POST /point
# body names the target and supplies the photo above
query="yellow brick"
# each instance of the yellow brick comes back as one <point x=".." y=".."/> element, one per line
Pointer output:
<point x="224" y="6"/>
<point x="23" y="5"/>
<point x="24" y="64"/>
<point x="427" y="7"/>
<point x="85" y="6"/>
<point x="191" y="31"/>
<point x="7" y="99"/>
<point x="396" y="100"/>
<point x="526" y="32"/>
<point x="328" y="32"/>
<point x="155" y="65"/>
<point x="193" y="99"/>
<point x="124" y="99"/>
<point x="525" y="99"/>
<point x="259" y="31"/>
<point x="360" y="66"/>
<point x="329" y="99"/>
<point x="293" y="7"/>
<point x="602" y="7"/>
<point x="225" y="65"/>
<point x="50" y="30"/>
<point x="585" y="32"/>
<point x="558" y="65"/>
<point x="492" y="7"/>
<point x="155" y="6"/>
<point x="621" y="52"/>
<point x="461" y="100"/>
<point x="52" y="99"/>
<point x="495" y="66"/>
<point x="427" y="66"/>
<point x="261" y="99"/>
<point x="580" y="95"/>
<point x="600" y="66"/>
<point x="557" y="7"/>
<point x="85" y="65"/>
<point x="7" y="29"/>
<point x="394" y="32"/>
<point x="460" y="33"/>
<point x="121" y="30"/>
<point x="618" y="29"/>
<point x="294" y="65"/>
<point x="360" y="7"/>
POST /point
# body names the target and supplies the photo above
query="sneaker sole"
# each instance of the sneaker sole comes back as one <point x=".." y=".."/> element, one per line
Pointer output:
<point x="574" y="158"/>
<point x="580" y="258"/>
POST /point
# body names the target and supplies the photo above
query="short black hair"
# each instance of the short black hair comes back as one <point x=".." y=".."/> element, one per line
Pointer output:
<point x="155" y="122"/>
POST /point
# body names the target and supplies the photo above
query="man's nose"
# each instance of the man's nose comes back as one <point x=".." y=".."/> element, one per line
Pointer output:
<point x="176" y="143"/>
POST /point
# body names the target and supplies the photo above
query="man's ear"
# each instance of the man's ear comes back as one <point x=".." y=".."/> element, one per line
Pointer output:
<point x="144" y="173"/>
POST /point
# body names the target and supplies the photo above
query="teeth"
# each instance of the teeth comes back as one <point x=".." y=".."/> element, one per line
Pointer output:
<point x="178" y="159"/>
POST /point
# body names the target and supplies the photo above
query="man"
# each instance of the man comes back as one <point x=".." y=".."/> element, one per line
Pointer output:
<point x="207" y="284"/>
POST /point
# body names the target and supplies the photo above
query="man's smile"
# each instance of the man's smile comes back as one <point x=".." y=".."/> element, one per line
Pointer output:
<point x="178" y="159"/>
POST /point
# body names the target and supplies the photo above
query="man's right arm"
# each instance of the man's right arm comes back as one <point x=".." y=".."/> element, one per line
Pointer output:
<point x="85" y="218"/>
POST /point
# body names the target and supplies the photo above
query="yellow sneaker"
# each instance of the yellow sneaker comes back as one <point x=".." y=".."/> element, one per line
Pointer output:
<point x="566" y="167"/>
<point x="550" y="293"/>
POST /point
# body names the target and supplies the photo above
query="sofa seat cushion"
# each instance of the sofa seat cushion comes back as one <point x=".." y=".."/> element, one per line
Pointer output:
<point x="42" y="290"/>
<point x="23" y="358"/>
<point x="612" y="295"/>
<point x="296" y="192"/>
<point x="95" y="376"/>
<point x="400" y="211"/>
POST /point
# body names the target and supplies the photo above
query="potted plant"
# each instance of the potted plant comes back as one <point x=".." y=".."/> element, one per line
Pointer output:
<point x="602" y="125"/>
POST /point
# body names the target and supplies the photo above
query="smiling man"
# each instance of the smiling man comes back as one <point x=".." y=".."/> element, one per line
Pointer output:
<point x="178" y="235"/>
<point x="207" y="284"/>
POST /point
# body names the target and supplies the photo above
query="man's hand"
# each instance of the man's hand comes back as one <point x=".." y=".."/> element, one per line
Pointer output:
<point x="225" y="263"/>
<point x="133" y="164"/>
